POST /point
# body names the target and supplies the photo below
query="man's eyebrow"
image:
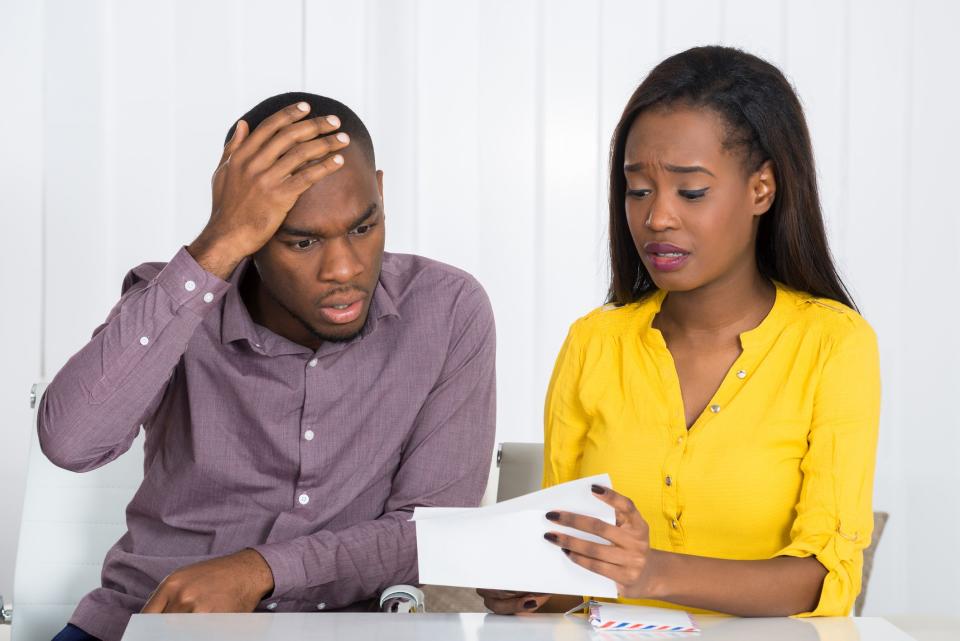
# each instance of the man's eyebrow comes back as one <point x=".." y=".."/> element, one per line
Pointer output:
<point x="677" y="169"/>
<point x="289" y="230"/>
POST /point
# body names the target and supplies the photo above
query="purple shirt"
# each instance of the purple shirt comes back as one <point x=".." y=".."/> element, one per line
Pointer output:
<point x="314" y="459"/>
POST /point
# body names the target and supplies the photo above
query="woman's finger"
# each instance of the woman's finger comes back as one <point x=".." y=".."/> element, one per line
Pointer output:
<point x="627" y="512"/>
<point x="590" y="525"/>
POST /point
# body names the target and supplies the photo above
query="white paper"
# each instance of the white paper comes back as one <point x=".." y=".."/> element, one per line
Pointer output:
<point x="502" y="547"/>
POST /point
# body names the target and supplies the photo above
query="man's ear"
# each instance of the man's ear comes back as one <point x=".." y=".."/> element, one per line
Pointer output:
<point x="380" y="182"/>
<point x="763" y="188"/>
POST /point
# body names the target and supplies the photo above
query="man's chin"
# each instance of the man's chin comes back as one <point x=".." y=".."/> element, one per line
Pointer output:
<point x="333" y="333"/>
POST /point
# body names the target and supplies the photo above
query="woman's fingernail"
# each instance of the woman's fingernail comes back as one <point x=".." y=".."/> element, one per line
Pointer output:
<point x="597" y="489"/>
<point x="566" y="551"/>
<point x="333" y="120"/>
<point x="553" y="516"/>
<point x="550" y="536"/>
<point x="529" y="605"/>
<point x="304" y="107"/>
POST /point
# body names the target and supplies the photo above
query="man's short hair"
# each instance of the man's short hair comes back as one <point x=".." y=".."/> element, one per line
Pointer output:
<point x="319" y="106"/>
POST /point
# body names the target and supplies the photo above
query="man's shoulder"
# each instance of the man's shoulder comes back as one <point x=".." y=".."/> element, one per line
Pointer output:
<point x="407" y="276"/>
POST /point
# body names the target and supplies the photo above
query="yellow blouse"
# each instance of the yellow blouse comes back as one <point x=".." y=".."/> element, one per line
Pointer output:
<point x="780" y="463"/>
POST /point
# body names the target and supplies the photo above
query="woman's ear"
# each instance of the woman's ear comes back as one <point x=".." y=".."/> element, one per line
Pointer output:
<point x="763" y="188"/>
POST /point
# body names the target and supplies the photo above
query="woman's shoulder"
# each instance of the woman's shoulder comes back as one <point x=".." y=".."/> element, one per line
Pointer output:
<point x="832" y="319"/>
<point x="613" y="320"/>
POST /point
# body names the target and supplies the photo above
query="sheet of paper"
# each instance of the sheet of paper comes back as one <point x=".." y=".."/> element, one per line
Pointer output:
<point x="501" y="546"/>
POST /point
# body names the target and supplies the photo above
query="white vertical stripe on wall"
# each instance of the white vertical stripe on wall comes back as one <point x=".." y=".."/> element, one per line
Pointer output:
<point x="571" y="270"/>
<point x="929" y="378"/>
<point x="21" y="261"/>
<point x="507" y="228"/>
<point x="491" y="120"/>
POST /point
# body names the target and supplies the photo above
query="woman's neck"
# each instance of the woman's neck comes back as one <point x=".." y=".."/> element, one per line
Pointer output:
<point x="734" y="304"/>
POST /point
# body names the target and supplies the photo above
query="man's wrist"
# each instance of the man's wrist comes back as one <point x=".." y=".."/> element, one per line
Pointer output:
<point x="214" y="256"/>
<point x="262" y="575"/>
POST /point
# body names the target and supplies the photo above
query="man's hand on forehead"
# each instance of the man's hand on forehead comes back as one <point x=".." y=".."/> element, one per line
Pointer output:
<point x="260" y="176"/>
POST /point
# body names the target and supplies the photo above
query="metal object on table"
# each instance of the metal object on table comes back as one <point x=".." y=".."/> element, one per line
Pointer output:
<point x="402" y="599"/>
<point x="6" y="613"/>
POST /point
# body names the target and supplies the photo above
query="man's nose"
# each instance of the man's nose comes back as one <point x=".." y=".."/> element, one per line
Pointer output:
<point x="340" y="262"/>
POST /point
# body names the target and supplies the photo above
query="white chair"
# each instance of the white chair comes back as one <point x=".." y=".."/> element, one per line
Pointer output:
<point x="69" y="522"/>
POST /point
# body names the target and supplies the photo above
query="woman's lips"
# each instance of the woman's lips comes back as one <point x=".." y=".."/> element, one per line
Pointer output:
<point x="343" y="316"/>
<point x="665" y="257"/>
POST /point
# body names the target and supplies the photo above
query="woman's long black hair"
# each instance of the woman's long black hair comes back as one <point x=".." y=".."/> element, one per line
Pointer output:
<point x="765" y="119"/>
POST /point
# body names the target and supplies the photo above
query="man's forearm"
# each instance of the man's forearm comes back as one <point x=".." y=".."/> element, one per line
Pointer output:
<point x="84" y="420"/>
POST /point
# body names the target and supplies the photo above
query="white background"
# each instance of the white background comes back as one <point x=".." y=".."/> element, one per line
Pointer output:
<point x="491" y="120"/>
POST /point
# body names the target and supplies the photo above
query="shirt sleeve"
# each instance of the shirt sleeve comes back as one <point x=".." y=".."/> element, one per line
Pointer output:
<point x="834" y="520"/>
<point x="565" y="420"/>
<point x="445" y="463"/>
<point x="93" y="408"/>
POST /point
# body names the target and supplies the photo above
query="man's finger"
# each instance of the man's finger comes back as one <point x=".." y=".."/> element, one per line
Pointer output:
<point x="240" y="131"/>
<point x="309" y="151"/>
<point x="156" y="603"/>
<point x="302" y="180"/>
<point x="271" y="125"/>
<point x="289" y="137"/>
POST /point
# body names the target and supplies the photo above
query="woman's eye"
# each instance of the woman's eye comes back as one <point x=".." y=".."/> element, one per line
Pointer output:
<point x="693" y="194"/>
<point x="304" y="244"/>
<point x="638" y="193"/>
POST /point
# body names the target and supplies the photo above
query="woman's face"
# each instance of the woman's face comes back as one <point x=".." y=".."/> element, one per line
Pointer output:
<point x="693" y="208"/>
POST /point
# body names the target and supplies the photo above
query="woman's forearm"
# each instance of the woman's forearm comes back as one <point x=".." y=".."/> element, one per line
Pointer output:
<point x="782" y="586"/>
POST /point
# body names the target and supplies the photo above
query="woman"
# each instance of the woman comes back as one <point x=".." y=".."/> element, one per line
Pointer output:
<point x="729" y="387"/>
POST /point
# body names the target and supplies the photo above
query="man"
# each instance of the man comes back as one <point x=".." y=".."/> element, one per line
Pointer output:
<point x="301" y="390"/>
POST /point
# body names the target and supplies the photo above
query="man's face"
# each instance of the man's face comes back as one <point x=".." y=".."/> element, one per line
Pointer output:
<point x="323" y="264"/>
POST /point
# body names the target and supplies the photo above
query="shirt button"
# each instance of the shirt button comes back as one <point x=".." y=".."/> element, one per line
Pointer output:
<point x="674" y="524"/>
<point x="715" y="409"/>
<point x="321" y="606"/>
<point x="308" y="435"/>
<point x="679" y="440"/>
<point x="189" y="285"/>
<point x="208" y="297"/>
<point x="271" y="606"/>
<point x="304" y="499"/>
<point x="313" y="362"/>
<point x="668" y="481"/>
<point x="742" y="374"/>
<point x="144" y="340"/>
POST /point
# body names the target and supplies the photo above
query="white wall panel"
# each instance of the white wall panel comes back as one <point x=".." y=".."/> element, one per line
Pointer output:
<point x="570" y="249"/>
<point x="507" y="200"/>
<point x="21" y="261"/>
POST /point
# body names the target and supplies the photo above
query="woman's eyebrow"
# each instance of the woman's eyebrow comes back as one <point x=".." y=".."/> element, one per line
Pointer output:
<point x="677" y="169"/>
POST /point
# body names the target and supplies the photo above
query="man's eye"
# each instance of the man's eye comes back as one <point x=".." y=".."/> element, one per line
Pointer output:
<point x="304" y="244"/>
<point x="362" y="230"/>
<point x="692" y="194"/>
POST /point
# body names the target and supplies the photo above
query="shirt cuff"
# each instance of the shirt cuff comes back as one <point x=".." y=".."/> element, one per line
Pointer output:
<point x="843" y="559"/>
<point x="286" y="564"/>
<point x="190" y="285"/>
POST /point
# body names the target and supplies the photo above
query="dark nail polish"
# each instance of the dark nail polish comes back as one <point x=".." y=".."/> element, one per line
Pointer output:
<point x="596" y="489"/>
<point x="553" y="516"/>
<point x="550" y="536"/>
<point x="529" y="605"/>
<point x="566" y="551"/>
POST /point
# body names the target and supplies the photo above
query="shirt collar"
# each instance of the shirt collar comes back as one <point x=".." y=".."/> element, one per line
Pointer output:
<point x="237" y="324"/>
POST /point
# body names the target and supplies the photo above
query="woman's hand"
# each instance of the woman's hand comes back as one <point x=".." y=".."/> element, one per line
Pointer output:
<point x="628" y="560"/>
<point x="509" y="602"/>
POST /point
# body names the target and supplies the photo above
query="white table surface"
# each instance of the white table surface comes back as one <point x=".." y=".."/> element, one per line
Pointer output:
<point x="483" y="627"/>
